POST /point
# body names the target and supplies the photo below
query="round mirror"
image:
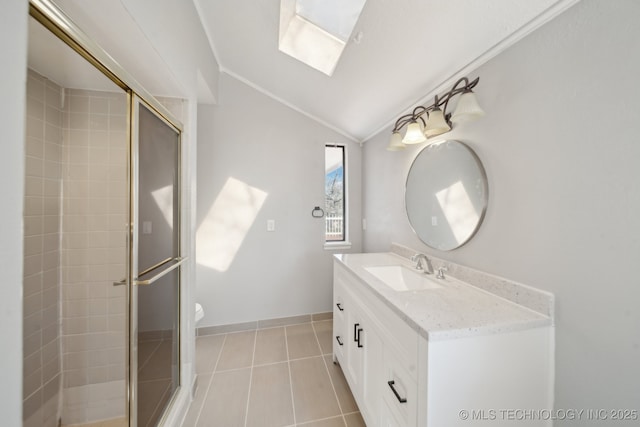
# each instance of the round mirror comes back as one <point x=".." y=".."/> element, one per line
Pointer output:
<point x="446" y="194"/>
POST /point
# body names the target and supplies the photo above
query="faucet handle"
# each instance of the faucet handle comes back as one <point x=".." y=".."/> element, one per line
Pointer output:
<point x="417" y="259"/>
<point x="441" y="271"/>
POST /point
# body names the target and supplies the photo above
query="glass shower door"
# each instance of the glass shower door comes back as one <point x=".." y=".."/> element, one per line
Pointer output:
<point x="155" y="314"/>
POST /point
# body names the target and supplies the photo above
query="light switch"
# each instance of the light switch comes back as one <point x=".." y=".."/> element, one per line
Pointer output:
<point x="146" y="227"/>
<point x="271" y="225"/>
<point x="434" y="221"/>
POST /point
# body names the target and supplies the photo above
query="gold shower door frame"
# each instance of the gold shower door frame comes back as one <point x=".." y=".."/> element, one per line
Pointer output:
<point x="143" y="275"/>
<point x="52" y="18"/>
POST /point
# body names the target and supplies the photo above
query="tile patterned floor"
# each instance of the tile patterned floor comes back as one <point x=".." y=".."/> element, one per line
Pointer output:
<point x="277" y="377"/>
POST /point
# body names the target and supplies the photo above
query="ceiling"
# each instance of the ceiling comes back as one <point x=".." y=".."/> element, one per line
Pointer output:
<point x="407" y="49"/>
<point x="50" y="57"/>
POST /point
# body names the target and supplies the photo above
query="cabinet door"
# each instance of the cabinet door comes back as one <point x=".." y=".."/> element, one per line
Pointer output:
<point x="369" y="328"/>
<point x="364" y="362"/>
<point x="371" y="359"/>
<point x="353" y="353"/>
<point x="388" y="418"/>
<point x="400" y="391"/>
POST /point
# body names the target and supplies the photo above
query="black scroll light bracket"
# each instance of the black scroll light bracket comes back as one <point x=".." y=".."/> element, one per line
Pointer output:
<point x="317" y="212"/>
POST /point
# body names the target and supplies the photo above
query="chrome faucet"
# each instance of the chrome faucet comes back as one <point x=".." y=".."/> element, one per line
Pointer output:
<point x="423" y="263"/>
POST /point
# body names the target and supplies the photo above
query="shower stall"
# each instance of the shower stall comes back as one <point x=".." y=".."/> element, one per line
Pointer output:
<point x="102" y="245"/>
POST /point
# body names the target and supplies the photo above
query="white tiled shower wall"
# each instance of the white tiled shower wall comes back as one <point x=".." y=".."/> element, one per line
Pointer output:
<point x="41" y="285"/>
<point x="75" y="248"/>
<point x="93" y="255"/>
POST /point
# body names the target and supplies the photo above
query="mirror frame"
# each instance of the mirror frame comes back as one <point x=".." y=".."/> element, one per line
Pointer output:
<point x="485" y="199"/>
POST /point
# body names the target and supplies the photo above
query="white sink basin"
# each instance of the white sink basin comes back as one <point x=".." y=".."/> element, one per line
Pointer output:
<point x="401" y="278"/>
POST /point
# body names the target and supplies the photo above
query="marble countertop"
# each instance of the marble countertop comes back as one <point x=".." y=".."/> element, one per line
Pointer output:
<point x="455" y="310"/>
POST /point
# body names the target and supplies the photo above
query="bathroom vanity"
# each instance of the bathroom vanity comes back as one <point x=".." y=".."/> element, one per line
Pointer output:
<point x="421" y="351"/>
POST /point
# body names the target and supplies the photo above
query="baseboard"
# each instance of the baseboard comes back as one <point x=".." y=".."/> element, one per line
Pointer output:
<point x="263" y="324"/>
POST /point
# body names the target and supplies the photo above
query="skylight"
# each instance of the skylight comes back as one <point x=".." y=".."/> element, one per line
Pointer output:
<point x="316" y="32"/>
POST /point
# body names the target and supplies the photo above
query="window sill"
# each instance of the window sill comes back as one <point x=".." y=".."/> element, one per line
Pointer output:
<point x="329" y="246"/>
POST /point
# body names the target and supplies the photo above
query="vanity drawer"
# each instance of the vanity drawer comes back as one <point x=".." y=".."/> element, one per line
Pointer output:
<point x="400" y="395"/>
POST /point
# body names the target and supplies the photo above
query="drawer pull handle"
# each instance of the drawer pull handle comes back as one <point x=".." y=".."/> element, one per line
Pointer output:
<point x="339" y="305"/>
<point x="355" y="332"/>
<point x="359" y="343"/>
<point x="393" y="389"/>
<point x="338" y="339"/>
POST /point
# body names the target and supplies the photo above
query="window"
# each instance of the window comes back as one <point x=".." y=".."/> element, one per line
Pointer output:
<point x="334" y="194"/>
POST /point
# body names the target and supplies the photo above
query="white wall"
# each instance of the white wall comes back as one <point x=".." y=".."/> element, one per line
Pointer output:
<point x="266" y="145"/>
<point x="174" y="28"/>
<point x="13" y="50"/>
<point x="560" y="147"/>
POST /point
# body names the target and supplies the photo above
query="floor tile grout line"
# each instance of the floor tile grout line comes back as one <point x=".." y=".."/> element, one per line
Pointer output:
<point x="242" y="368"/>
<point x="310" y="356"/>
<point x="283" y="326"/>
<point x="253" y="359"/>
<point x="306" y="423"/>
<point x="262" y="328"/>
<point x="261" y="365"/>
<point x="208" y="385"/>
<point x="278" y="362"/>
<point x="289" y="361"/>
<point x="333" y="387"/>
<point x="293" y="402"/>
<point x="215" y="366"/>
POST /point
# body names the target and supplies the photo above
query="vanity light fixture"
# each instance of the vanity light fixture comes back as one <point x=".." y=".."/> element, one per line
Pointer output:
<point x="415" y="132"/>
<point x="396" y="142"/>
<point x="433" y="120"/>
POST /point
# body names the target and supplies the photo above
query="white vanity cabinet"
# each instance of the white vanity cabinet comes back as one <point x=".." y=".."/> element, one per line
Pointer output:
<point x="378" y="349"/>
<point x="360" y="354"/>
<point x="399" y="378"/>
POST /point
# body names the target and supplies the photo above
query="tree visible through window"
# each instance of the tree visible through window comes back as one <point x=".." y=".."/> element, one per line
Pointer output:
<point x="334" y="194"/>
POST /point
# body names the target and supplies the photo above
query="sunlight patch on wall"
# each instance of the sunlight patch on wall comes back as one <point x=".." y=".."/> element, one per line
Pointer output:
<point x="164" y="199"/>
<point x="459" y="211"/>
<point x="227" y="223"/>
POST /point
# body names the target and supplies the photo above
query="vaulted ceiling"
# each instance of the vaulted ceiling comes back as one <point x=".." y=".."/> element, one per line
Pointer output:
<point x="404" y="51"/>
<point x="407" y="49"/>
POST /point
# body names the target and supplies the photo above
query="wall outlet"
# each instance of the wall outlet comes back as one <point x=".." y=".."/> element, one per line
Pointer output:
<point x="147" y="227"/>
<point x="271" y="225"/>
